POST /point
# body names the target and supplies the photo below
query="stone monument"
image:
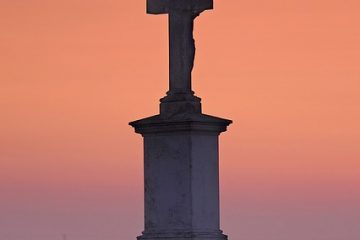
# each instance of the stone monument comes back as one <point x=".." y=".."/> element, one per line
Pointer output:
<point x="181" y="150"/>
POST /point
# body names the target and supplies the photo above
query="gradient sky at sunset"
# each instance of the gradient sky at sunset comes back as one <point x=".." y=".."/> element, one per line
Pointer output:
<point x="73" y="73"/>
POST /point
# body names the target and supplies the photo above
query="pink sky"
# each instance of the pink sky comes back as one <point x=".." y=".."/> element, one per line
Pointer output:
<point x="74" y="73"/>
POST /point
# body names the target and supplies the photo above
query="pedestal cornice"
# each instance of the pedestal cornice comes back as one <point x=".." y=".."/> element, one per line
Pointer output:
<point x="196" y="122"/>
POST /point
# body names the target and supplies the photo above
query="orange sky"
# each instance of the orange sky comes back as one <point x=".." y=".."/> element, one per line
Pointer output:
<point x="74" y="73"/>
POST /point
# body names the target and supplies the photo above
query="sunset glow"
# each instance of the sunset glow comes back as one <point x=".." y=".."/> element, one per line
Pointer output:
<point x="73" y="73"/>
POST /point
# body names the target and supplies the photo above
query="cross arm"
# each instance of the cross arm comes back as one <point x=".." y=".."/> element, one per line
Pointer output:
<point x="165" y="6"/>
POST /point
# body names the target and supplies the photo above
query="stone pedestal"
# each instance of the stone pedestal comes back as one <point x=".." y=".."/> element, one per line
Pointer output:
<point x="181" y="170"/>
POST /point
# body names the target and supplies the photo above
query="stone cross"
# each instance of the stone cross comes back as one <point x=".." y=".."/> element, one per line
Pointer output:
<point x="181" y="144"/>
<point x="182" y="46"/>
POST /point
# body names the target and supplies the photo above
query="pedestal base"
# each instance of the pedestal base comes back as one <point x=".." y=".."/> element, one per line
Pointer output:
<point x="183" y="236"/>
<point x="181" y="175"/>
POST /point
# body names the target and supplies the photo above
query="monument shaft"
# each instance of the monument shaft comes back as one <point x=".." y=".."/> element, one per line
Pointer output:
<point x="181" y="149"/>
<point x="182" y="51"/>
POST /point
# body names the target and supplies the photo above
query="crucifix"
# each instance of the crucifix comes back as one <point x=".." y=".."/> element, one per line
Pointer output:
<point x="181" y="150"/>
<point x="182" y="14"/>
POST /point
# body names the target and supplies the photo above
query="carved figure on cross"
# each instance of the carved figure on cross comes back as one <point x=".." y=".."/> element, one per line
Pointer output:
<point x="182" y="14"/>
